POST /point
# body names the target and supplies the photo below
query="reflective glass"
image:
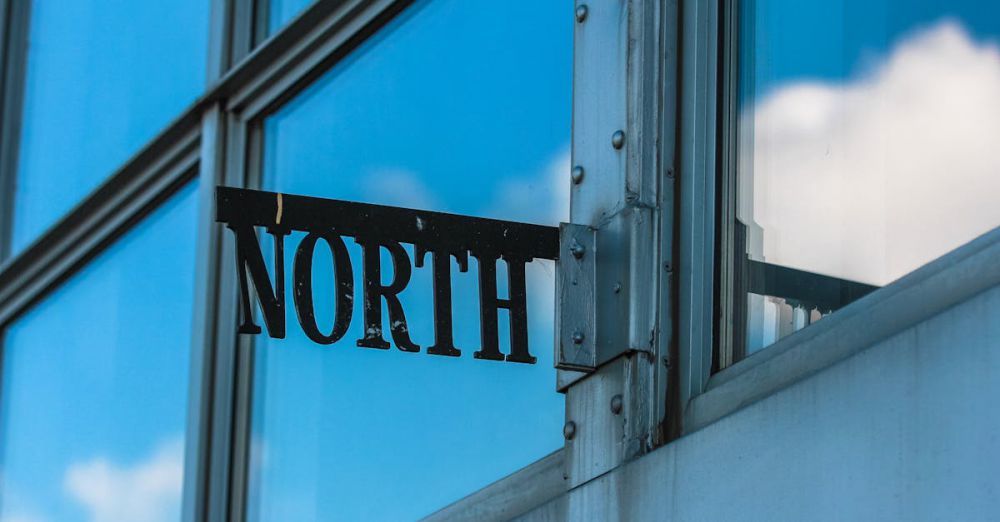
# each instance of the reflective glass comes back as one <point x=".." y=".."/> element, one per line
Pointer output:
<point x="867" y="146"/>
<point x="457" y="106"/>
<point x="103" y="77"/>
<point x="95" y="376"/>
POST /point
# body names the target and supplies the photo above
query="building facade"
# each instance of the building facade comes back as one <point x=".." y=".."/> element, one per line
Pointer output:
<point x="774" y="296"/>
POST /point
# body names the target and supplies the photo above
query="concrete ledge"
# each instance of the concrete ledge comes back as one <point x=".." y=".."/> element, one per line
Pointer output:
<point x="924" y="293"/>
<point x="905" y="429"/>
<point x="512" y="496"/>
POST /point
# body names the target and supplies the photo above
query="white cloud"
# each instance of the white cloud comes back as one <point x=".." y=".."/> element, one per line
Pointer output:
<point x="874" y="177"/>
<point x="399" y="187"/>
<point x="542" y="198"/>
<point x="149" y="490"/>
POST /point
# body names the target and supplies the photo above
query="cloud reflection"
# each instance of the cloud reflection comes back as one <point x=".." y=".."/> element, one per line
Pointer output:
<point x="870" y="179"/>
<point x="149" y="490"/>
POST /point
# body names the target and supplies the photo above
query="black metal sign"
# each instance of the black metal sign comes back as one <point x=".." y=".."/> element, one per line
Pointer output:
<point x="376" y="228"/>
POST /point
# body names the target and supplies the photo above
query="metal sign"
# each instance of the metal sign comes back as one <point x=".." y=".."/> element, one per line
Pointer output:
<point x="376" y="229"/>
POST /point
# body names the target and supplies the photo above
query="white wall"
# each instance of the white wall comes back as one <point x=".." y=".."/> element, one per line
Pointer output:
<point x="908" y="429"/>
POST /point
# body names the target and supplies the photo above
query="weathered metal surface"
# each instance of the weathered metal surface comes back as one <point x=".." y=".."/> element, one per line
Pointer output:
<point x="597" y="445"/>
<point x="600" y="45"/>
<point x="626" y="288"/>
<point x="566" y="378"/>
<point x="606" y="303"/>
<point x="575" y="299"/>
<point x="623" y="92"/>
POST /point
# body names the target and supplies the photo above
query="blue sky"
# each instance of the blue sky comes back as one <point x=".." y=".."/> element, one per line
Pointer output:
<point x="833" y="40"/>
<point x="103" y="77"/>
<point x="95" y="380"/>
<point x="856" y="109"/>
<point x="457" y="106"/>
<point x="476" y="123"/>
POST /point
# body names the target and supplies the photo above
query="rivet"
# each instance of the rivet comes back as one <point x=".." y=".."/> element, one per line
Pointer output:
<point x="618" y="287"/>
<point x="577" y="250"/>
<point x="670" y="173"/>
<point x="569" y="430"/>
<point x="618" y="139"/>
<point x="616" y="404"/>
<point x="577" y="337"/>
<point x="581" y="12"/>
<point x="577" y="174"/>
<point x="667" y="267"/>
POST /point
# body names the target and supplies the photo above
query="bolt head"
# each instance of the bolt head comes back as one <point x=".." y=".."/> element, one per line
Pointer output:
<point x="578" y="337"/>
<point x="581" y="12"/>
<point x="569" y="430"/>
<point x="577" y="175"/>
<point x="618" y="139"/>
<point x="616" y="404"/>
<point x="577" y="250"/>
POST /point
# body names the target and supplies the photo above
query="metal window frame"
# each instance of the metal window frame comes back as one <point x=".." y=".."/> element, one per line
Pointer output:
<point x="729" y="344"/>
<point x="13" y="54"/>
<point x="697" y="135"/>
<point x="271" y="73"/>
<point x="737" y="273"/>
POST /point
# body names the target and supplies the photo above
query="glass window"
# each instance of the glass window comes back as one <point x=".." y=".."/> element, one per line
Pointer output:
<point x="457" y="106"/>
<point x="103" y="77"/>
<point x="867" y="147"/>
<point x="94" y="389"/>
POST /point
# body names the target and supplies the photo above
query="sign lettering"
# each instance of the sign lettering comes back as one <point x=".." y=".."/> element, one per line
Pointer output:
<point x="435" y="236"/>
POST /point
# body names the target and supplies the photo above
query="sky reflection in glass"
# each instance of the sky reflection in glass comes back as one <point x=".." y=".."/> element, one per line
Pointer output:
<point x="94" y="395"/>
<point x="451" y="108"/>
<point x="868" y="143"/>
<point x="103" y="77"/>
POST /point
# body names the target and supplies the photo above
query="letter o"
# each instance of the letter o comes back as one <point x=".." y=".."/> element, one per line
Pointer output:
<point x="303" y="290"/>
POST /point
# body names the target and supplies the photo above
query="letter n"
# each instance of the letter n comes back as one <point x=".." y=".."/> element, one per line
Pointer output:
<point x="249" y="259"/>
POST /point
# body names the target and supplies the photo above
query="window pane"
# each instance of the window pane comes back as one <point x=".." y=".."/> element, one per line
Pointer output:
<point x="868" y="146"/>
<point x="103" y="77"/>
<point x="94" y="390"/>
<point x="461" y="107"/>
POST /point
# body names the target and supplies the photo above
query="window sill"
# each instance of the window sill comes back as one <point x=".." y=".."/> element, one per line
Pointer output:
<point x="929" y="290"/>
<point x="511" y="496"/>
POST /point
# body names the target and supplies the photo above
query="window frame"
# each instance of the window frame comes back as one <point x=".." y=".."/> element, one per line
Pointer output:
<point x="739" y="379"/>
<point x="662" y="54"/>
<point x="737" y="274"/>
<point x="13" y="55"/>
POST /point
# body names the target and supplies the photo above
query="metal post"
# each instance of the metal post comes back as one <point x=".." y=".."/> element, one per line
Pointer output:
<point x="623" y="102"/>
